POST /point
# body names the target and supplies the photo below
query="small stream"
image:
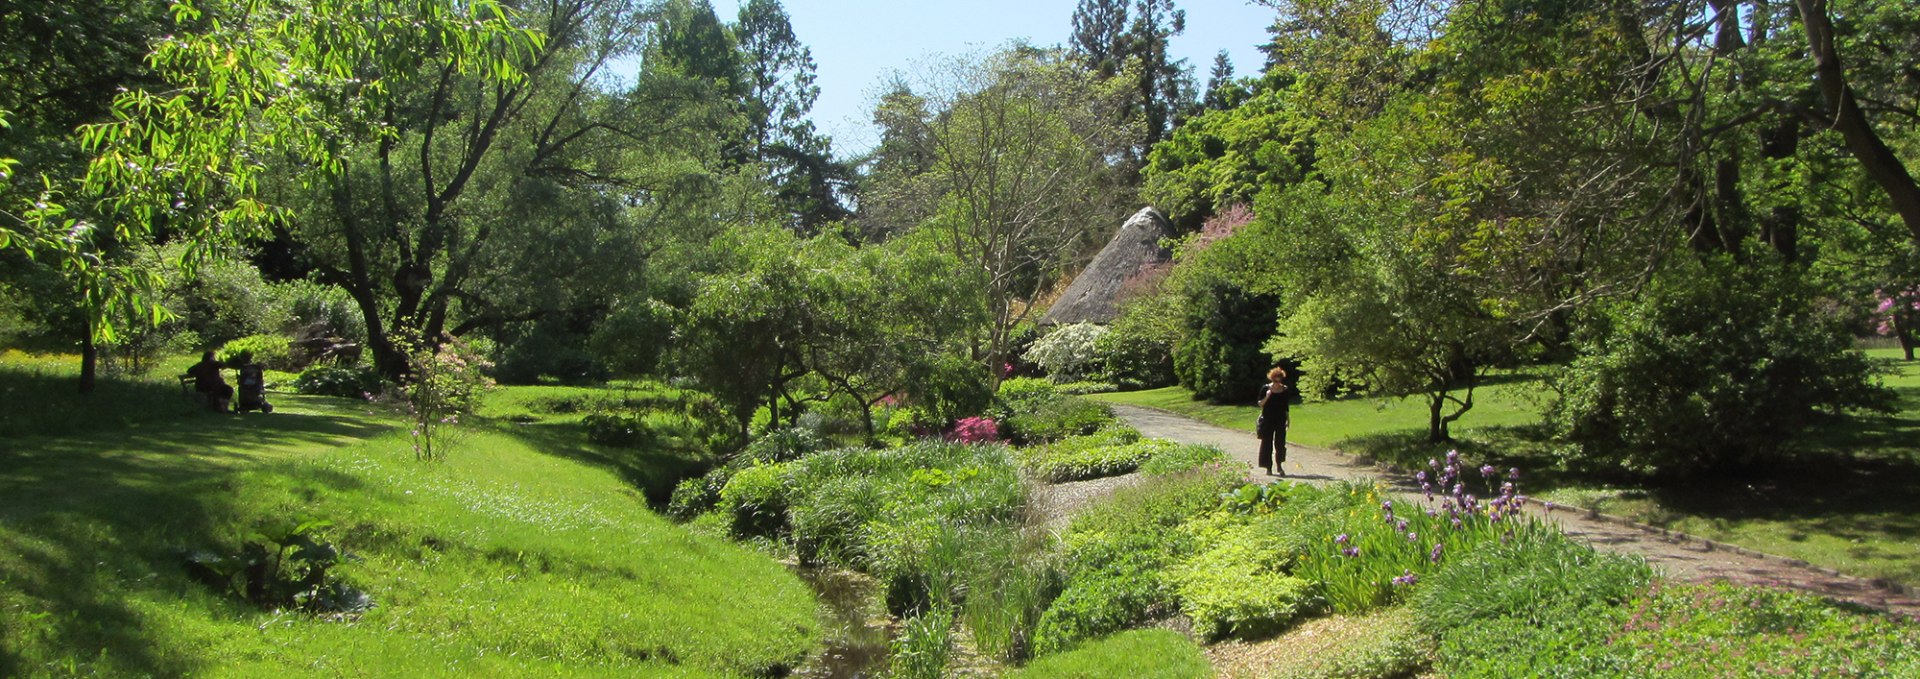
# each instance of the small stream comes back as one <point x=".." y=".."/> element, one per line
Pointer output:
<point x="855" y="623"/>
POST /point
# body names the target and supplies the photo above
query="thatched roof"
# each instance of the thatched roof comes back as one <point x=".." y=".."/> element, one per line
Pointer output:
<point x="1094" y="296"/>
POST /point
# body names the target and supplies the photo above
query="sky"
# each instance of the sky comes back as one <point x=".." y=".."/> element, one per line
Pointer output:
<point x="858" y="43"/>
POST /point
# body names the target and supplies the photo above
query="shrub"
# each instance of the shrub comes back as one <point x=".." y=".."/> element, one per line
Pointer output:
<point x="1221" y="358"/>
<point x="618" y="430"/>
<point x="975" y="430"/>
<point x="1137" y="351"/>
<point x="1022" y="395"/>
<point x="1058" y="419"/>
<point x="756" y="498"/>
<point x="1084" y="388"/>
<point x="1225" y="602"/>
<point x="342" y="381"/>
<point x="315" y="310"/>
<point x="273" y="351"/>
<point x="1067" y="353"/>
<point x="1713" y="368"/>
<point x="1114" y="449"/>
<point x="785" y="445"/>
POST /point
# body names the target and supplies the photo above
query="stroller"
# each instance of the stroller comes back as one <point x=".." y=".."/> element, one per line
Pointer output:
<point x="252" y="394"/>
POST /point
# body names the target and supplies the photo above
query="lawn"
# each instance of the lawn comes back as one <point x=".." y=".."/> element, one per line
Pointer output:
<point x="521" y="555"/>
<point x="1842" y="499"/>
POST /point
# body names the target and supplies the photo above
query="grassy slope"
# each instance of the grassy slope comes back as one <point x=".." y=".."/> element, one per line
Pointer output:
<point x="505" y="560"/>
<point x="1846" y="502"/>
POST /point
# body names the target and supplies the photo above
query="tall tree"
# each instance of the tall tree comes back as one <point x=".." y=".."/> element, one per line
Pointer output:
<point x="798" y="161"/>
<point x="1128" y="41"/>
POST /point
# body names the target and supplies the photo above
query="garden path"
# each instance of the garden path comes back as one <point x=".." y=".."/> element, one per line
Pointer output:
<point x="1681" y="556"/>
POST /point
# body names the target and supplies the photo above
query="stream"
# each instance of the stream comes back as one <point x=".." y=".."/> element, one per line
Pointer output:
<point x="855" y="625"/>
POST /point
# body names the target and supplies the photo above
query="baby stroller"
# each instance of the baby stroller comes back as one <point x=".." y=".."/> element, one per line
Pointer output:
<point x="252" y="394"/>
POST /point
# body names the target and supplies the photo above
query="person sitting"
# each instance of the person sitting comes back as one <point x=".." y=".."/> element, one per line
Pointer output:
<point x="207" y="381"/>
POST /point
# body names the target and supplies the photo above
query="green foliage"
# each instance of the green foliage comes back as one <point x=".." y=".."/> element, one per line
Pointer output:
<point x="1137" y="350"/>
<point x="619" y="430"/>
<point x="288" y="567"/>
<point x="356" y="382"/>
<point x="1112" y="450"/>
<point x="1221" y="158"/>
<point x="756" y="497"/>
<point x="1115" y="553"/>
<point x="1537" y="577"/>
<point x="1084" y="388"/>
<point x="1068" y="353"/>
<point x="312" y="309"/>
<point x="273" y="351"/>
<point x="1022" y="395"/>
<point x="1058" y="419"/>
<point x="444" y="383"/>
<point x="1759" y="631"/>
<point x="1224" y="600"/>
<point x="923" y="647"/>
<point x="1717" y="366"/>
<point x="1146" y="654"/>
<point x="1221" y="358"/>
<point x="1376" y="646"/>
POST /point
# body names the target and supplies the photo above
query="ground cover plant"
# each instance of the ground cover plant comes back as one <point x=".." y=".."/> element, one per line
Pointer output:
<point x="502" y="559"/>
<point x="1148" y="654"/>
<point x="1112" y="450"/>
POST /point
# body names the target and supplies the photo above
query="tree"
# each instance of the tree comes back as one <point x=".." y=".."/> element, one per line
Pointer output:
<point x="1127" y="41"/>
<point x="1017" y="160"/>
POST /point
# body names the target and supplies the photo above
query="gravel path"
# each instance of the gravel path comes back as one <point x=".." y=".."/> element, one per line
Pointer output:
<point x="1681" y="556"/>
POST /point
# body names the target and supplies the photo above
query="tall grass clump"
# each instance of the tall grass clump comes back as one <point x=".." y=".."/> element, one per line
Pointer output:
<point x="924" y="646"/>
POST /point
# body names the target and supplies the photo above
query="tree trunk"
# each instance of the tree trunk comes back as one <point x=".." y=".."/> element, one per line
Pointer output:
<point x="1437" y="425"/>
<point x="1875" y="157"/>
<point x="90" y="361"/>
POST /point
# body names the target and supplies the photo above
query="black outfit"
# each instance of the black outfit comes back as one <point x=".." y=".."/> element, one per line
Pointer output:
<point x="1273" y="427"/>
<point x="207" y="380"/>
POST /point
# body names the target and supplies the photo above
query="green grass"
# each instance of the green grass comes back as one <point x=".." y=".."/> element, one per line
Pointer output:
<point x="1841" y="499"/>
<point x="1509" y="399"/>
<point x="1146" y="654"/>
<point x="506" y="560"/>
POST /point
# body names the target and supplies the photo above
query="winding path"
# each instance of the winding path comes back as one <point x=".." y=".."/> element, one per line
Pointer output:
<point x="1681" y="556"/>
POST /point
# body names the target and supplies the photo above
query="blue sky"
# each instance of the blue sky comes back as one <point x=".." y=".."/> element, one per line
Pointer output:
<point x="859" y="42"/>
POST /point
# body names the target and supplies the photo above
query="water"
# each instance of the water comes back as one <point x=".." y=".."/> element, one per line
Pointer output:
<point x="855" y="623"/>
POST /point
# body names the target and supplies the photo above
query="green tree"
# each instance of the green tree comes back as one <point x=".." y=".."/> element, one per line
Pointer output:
<point x="1017" y="163"/>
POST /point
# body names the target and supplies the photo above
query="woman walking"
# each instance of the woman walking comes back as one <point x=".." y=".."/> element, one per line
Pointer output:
<point x="1272" y="426"/>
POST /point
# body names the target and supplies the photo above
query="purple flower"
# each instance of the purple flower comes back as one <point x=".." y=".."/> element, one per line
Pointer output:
<point x="1488" y="470"/>
<point x="1413" y="537"/>
<point x="1387" y="506"/>
<point x="1400" y="525"/>
<point x="1351" y="552"/>
<point x="1434" y="555"/>
<point x="1453" y="456"/>
<point x="1514" y="473"/>
<point x="1550" y="506"/>
<point x="1421" y="477"/>
<point x="1342" y="539"/>
<point x="1432" y="513"/>
<point x="1406" y="580"/>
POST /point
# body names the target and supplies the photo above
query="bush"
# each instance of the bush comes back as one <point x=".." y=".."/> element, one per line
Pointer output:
<point x="1058" y="419"/>
<point x="618" y="430"/>
<point x="1221" y="358"/>
<point x="975" y="430"/>
<point x="1114" y="449"/>
<point x="345" y="382"/>
<point x="1084" y="388"/>
<point x="315" y="310"/>
<point x="1022" y="395"/>
<point x="756" y="498"/>
<point x="1223" y="602"/>
<point x="1067" y="353"/>
<point x="785" y="445"/>
<point x="273" y="351"/>
<point x="1713" y="368"/>
<point x="1137" y="351"/>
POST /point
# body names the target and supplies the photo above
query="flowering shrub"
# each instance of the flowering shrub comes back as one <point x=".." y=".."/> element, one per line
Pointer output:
<point x="445" y="383"/>
<point x="1067" y="353"/>
<point x="1898" y="310"/>
<point x="975" y="430"/>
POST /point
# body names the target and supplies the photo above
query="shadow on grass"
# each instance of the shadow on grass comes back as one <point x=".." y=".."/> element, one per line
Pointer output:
<point x="90" y="524"/>
<point x="654" y="470"/>
<point x="43" y="402"/>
